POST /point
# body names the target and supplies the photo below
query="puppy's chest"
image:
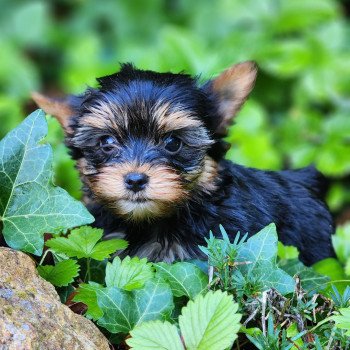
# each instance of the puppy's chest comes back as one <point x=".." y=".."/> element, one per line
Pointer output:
<point x="157" y="249"/>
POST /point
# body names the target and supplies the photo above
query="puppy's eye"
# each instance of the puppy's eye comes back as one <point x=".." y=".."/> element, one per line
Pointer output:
<point x="172" y="144"/>
<point x="107" y="144"/>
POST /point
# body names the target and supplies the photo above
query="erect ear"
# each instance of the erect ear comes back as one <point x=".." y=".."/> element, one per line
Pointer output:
<point x="61" y="109"/>
<point x="231" y="88"/>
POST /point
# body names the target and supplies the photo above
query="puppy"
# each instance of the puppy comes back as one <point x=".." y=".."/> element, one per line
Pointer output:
<point x="149" y="147"/>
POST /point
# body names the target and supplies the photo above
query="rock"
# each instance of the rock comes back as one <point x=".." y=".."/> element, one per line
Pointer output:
<point x="31" y="314"/>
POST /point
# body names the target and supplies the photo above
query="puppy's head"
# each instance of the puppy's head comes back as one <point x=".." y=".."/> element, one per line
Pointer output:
<point x="148" y="142"/>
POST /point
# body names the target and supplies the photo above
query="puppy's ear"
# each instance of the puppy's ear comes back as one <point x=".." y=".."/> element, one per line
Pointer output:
<point x="230" y="89"/>
<point x="61" y="109"/>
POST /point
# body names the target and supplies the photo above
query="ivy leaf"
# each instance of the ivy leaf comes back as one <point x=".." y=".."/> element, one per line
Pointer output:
<point x="117" y="307"/>
<point x="83" y="243"/>
<point x="123" y="310"/>
<point x="60" y="274"/>
<point x="309" y="278"/>
<point x="30" y="204"/>
<point x="87" y="294"/>
<point x="155" y="335"/>
<point x="259" y="254"/>
<point x="210" y="322"/>
<point x="184" y="278"/>
<point x="154" y="301"/>
<point x="128" y="273"/>
<point x="342" y="321"/>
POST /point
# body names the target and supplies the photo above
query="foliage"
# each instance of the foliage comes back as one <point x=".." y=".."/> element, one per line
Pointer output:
<point x="342" y="321"/>
<point x="341" y="243"/>
<point x="155" y="302"/>
<point x="60" y="274"/>
<point x="250" y="265"/>
<point x="185" y="279"/>
<point x="30" y="204"/>
<point x="128" y="274"/>
<point x="209" y="322"/>
<point x="275" y="339"/>
<point x="83" y="242"/>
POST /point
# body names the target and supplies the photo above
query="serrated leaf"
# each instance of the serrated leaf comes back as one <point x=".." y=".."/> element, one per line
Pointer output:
<point x="259" y="255"/>
<point x="155" y="335"/>
<point x="310" y="279"/>
<point x="128" y="273"/>
<point x="87" y="294"/>
<point x="78" y="244"/>
<point x="123" y="310"/>
<point x="83" y="243"/>
<point x="210" y="322"/>
<point x="104" y="249"/>
<point x="342" y="321"/>
<point x="30" y="204"/>
<point x="184" y="278"/>
<point x="60" y="274"/>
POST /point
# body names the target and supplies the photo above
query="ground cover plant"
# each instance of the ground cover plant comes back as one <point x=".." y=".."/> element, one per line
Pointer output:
<point x="248" y="293"/>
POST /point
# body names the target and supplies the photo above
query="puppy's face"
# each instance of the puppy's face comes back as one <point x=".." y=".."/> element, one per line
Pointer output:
<point x="147" y="142"/>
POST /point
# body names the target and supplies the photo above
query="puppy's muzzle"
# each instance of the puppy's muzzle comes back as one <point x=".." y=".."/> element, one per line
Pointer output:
<point x="136" y="182"/>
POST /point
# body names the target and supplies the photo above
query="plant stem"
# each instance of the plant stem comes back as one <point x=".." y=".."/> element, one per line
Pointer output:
<point x="88" y="271"/>
<point x="44" y="256"/>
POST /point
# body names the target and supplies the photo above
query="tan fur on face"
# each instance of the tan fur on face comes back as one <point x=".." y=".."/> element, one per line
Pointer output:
<point x="113" y="116"/>
<point x="105" y="114"/>
<point x="163" y="191"/>
<point x="208" y="178"/>
<point x="170" y="120"/>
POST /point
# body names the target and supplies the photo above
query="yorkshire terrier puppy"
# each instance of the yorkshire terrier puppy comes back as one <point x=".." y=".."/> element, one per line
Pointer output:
<point x="149" y="147"/>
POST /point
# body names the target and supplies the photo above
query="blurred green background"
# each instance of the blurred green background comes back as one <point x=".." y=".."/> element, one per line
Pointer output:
<point x="299" y="112"/>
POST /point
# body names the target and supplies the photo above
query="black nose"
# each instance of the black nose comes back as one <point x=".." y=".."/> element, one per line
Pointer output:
<point x="136" y="181"/>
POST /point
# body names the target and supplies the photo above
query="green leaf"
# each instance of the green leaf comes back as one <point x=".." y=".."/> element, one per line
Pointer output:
<point x="184" y="278"/>
<point x="104" y="249"/>
<point x="287" y="251"/>
<point x="310" y="279"/>
<point x="87" y="294"/>
<point x="82" y="243"/>
<point x="128" y="273"/>
<point x="332" y="268"/>
<point x="342" y="321"/>
<point x="260" y="254"/>
<point x="117" y="307"/>
<point x="123" y="310"/>
<point x="60" y="274"/>
<point x="210" y="322"/>
<point x="30" y="204"/>
<point x="341" y="242"/>
<point x="155" y="335"/>
<point x="154" y="301"/>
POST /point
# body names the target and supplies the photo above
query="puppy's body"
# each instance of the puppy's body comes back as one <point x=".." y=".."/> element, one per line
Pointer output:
<point x="150" y="151"/>
<point x="246" y="200"/>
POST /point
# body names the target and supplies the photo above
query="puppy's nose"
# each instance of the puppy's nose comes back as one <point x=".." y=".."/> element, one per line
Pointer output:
<point x="136" y="181"/>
